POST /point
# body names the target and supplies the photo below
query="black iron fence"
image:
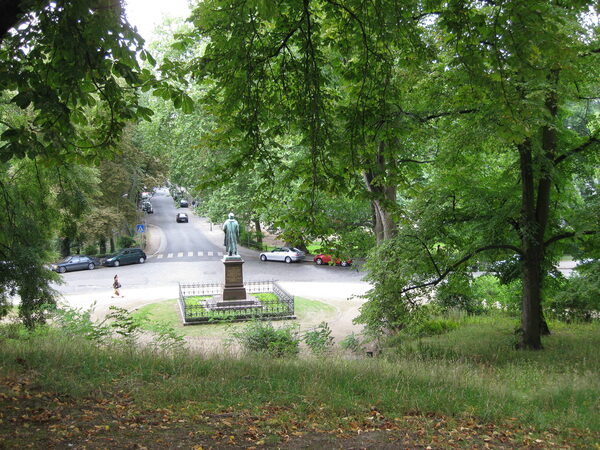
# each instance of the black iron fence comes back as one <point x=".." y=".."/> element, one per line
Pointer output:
<point x="199" y="302"/>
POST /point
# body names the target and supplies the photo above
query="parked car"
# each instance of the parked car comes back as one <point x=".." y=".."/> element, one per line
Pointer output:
<point x="286" y="254"/>
<point x="126" y="256"/>
<point x="147" y="207"/>
<point x="182" y="217"/>
<point x="75" y="262"/>
<point x="183" y="203"/>
<point x="326" y="259"/>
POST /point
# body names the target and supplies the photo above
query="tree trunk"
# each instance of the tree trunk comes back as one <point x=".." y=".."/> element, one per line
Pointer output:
<point x="65" y="246"/>
<point x="102" y="245"/>
<point x="532" y="255"/>
<point x="544" y="328"/>
<point x="377" y="225"/>
<point x="384" y="197"/>
<point x="258" y="230"/>
<point x="112" y="244"/>
<point x="534" y="220"/>
<point x="531" y="308"/>
<point x="386" y="224"/>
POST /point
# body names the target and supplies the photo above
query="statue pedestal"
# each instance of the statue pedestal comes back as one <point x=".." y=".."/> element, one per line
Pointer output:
<point x="234" y="289"/>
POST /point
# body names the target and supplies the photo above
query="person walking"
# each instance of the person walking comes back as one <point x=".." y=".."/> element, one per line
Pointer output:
<point x="116" y="286"/>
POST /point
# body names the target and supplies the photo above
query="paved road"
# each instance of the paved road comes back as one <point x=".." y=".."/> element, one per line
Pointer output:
<point x="180" y="240"/>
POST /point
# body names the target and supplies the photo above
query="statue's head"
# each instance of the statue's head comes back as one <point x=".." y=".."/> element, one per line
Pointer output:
<point x="231" y="215"/>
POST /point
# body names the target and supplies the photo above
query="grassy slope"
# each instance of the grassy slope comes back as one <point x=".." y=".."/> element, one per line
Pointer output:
<point x="470" y="375"/>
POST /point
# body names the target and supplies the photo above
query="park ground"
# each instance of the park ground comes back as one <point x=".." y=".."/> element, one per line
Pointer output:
<point x="465" y="389"/>
<point x="63" y="396"/>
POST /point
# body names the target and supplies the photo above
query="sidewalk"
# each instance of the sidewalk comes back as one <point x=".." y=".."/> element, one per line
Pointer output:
<point x="154" y="240"/>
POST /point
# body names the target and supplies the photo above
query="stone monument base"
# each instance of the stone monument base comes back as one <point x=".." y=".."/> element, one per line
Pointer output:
<point x="218" y="302"/>
<point x="234" y="289"/>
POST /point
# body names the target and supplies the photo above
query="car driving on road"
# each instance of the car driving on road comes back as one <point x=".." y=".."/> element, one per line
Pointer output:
<point x="147" y="207"/>
<point x="181" y="217"/>
<point x="287" y="254"/>
<point x="126" y="256"/>
<point x="74" y="262"/>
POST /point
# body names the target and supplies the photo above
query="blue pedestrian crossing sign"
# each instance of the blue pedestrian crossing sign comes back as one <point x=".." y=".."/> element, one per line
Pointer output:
<point x="141" y="228"/>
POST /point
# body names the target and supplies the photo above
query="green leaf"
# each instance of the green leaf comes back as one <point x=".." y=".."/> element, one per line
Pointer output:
<point x="187" y="104"/>
<point x="22" y="99"/>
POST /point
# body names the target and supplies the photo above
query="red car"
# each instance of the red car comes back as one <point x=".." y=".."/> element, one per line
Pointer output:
<point x="326" y="259"/>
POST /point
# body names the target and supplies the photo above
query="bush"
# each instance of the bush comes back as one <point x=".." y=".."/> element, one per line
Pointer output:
<point x="432" y="327"/>
<point x="17" y="331"/>
<point x="577" y="299"/>
<point x="458" y="293"/>
<point x="79" y="322"/>
<point x="250" y="239"/>
<point x="262" y="337"/>
<point x="90" y="249"/>
<point x="120" y="326"/>
<point x="490" y="292"/>
<point x="319" y="339"/>
<point x="126" y="242"/>
<point x="352" y="343"/>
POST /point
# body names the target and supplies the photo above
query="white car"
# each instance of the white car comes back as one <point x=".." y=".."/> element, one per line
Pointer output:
<point x="286" y="254"/>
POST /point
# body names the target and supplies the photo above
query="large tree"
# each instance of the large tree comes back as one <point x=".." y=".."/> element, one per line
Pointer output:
<point x="528" y="66"/>
<point x="422" y="99"/>
<point x="68" y="86"/>
<point x="506" y="181"/>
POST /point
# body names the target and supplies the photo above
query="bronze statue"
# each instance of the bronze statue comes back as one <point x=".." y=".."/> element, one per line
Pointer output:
<point x="232" y="235"/>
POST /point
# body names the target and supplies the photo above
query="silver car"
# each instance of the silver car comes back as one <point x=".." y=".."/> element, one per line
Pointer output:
<point x="286" y="254"/>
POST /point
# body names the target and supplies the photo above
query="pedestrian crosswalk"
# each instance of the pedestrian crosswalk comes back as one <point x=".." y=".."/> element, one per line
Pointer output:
<point x="199" y="254"/>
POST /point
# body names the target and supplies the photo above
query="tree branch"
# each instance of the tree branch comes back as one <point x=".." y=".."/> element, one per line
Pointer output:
<point x="447" y="113"/>
<point x="582" y="147"/>
<point x="465" y="258"/>
<point x="355" y="17"/>
<point x="408" y="160"/>
<point x="590" y="52"/>
<point x="559" y="237"/>
<point x="286" y="38"/>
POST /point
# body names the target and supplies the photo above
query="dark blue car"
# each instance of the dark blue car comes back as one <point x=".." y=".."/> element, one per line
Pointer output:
<point x="75" y="262"/>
